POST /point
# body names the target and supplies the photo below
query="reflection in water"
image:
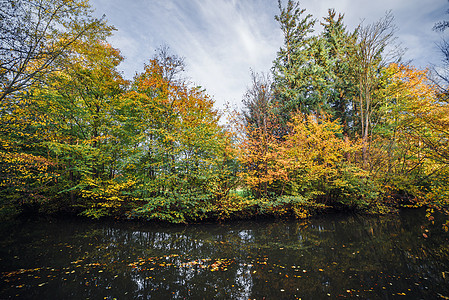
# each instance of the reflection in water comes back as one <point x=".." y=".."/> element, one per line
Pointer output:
<point x="334" y="256"/>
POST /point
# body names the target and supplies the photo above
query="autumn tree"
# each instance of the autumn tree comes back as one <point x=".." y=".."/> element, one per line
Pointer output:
<point x="415" y="123"/>
<point x="261" y="130"/>
<point x="72" y="125"/>
<point x="320" y="164"/>
<point x="84" y="102"/>
<point x="179" y="154"/>
<point x="312" y="166"/>
<point x="36" y="40"/>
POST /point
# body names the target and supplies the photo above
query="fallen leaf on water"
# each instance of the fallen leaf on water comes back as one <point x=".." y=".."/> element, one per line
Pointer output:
<point x="443" y="297"/>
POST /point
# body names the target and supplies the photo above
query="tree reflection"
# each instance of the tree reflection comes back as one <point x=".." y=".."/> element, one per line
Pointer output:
<point x="373" y="257"/>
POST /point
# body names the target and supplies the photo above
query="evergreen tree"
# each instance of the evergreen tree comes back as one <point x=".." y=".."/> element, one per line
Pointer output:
<point x="341" y="49"/>
<point x="293" y="65"/>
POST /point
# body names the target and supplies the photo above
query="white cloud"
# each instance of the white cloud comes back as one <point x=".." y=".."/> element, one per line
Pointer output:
<point x="222" y="39"/>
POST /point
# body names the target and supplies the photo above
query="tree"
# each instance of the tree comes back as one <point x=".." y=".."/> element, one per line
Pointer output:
<point x="371" y="56"/>
<point x="258" y="101"/>
<point x="416" y="123"/>
<point x="261" y="131"/>
<point x="319" y="167"/>
<point x="341" y="86"/>
<point x="35" y="34"/>
<point x="179" y="155"/>
<point x="83" y="102"/>
<point x="37" y="38"/>
<point x="308" y="168"/>
<point x="441" y="26"/>
<point x="70" y="125"/>
<point x="293" y="65"/>
<point x="442" y="72"/>
<point x="314" y="74"/>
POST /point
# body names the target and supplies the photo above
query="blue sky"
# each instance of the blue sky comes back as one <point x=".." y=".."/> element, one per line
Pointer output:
<point x="221" y="40"/>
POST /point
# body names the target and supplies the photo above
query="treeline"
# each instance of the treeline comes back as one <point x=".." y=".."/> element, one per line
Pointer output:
<point x="339" y="122"/>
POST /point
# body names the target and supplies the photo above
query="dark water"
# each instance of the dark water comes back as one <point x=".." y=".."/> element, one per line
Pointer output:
<point x="337" y="256"/>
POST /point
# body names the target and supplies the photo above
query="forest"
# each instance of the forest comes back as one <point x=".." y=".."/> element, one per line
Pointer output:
<point x="340" y="122"/>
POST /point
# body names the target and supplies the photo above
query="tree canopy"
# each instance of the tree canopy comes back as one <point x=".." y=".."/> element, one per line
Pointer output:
<point x="339" y="122"/>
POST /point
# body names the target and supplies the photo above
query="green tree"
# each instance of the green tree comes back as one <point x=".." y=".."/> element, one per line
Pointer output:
<point x="341" y="79"/>
<point x="294" y="65"/>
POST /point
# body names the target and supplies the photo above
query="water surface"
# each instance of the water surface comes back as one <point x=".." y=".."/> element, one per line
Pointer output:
<point x="335" y="256"/>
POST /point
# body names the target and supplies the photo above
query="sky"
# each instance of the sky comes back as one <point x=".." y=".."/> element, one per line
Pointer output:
<point x="222" y="40"/>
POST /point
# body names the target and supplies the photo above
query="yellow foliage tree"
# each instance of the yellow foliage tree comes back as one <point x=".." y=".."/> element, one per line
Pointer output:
<point x="418" y="117"/>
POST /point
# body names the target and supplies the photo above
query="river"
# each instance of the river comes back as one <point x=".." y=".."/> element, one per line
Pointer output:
<point x="402" y="256"/>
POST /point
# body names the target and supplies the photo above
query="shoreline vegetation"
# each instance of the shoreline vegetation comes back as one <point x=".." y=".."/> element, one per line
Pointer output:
<point x="340" y="122"/>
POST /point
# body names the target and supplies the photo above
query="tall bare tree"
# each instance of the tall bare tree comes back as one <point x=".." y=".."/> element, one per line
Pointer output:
<point x="375" y="50"/>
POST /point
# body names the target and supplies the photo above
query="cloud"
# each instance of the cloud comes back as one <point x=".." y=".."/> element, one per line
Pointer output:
<point x="222" y="39"/>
